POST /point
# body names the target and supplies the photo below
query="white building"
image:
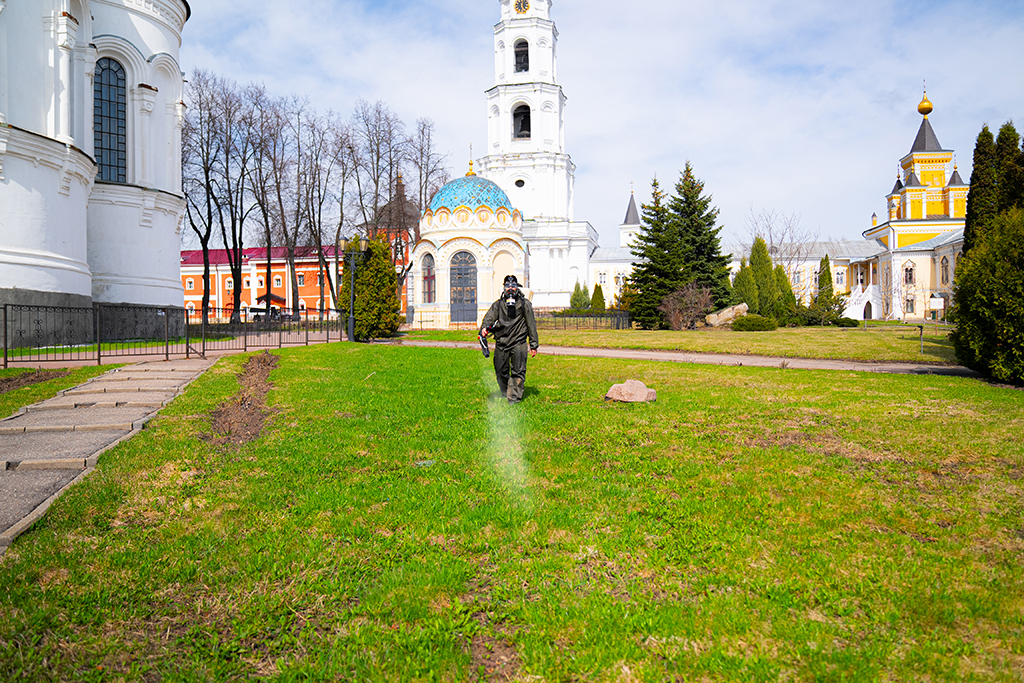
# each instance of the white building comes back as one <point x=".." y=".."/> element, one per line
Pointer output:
<point x="90" y="151"/>
<point x="526" y="156"/>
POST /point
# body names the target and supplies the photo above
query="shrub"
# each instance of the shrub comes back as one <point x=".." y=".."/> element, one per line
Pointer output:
<point x="597" y="300"/>
<point x="376" y="293"/>
<point x="754" y="323"/>
<point x="989" y="301"/>
<point x="846" y="322"/>
<point x="684" y="307"/>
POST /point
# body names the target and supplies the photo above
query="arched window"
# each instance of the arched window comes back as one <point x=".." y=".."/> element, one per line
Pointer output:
<point x="944" y="268"/>
<point x="110" y="130"/>
<point x="909" y="276"/>
<point x="429" y="280"/>
<point x="522" y="56"/>
<point x="521" y="122"/>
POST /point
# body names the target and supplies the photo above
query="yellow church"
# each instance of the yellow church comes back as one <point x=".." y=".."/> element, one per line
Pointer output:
<point x="923" y="236"/>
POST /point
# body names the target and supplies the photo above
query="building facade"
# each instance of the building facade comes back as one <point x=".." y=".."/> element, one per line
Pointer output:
<point x="90" y="151"/>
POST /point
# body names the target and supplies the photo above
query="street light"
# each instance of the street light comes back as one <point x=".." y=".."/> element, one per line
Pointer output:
<point x="350" y="257"/>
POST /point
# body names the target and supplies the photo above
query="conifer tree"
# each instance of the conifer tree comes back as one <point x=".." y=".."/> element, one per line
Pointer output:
<point x="377" y="307"/>
<point x="660" y="268"/>
<point x="579" y="300"/>
<point x="745" y="288"/>
<point x="597" y="301"/>
<point x="768" y="295"/>
<point x="787" y="298"/>
<point x="1009" y="168"/>
<point x="691" y="211"/>
<point x="983" y="199"/>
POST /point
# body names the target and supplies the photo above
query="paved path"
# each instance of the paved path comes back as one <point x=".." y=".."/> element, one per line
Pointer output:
<point x="50" y="445"/>
<point x="726" y="359"/>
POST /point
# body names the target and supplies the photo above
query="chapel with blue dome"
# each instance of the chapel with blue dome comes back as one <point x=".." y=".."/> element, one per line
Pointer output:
<point x="472" y="192"/>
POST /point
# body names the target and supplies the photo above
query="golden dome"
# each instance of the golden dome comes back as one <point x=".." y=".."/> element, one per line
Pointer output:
<point x="925" y="107"/>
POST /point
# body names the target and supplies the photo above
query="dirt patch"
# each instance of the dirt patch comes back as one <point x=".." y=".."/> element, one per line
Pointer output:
<point x="494" y="658"/>
<point x="240" y="419"/>
<point x="26" y="379"/>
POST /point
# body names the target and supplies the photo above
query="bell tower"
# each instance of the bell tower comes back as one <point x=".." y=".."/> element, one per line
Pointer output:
<point x="525" y="115"/>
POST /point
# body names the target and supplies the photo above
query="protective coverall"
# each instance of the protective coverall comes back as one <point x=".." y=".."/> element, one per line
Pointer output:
<point x="511" y="321"/>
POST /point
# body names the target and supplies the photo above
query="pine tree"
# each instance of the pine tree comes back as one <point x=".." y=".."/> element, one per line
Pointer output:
<point x="1009" y="168"/>
<point x="825" y="288"/>
<point x="745" y="288"/>
<point x="659" y="270"/>
<point x="597" y="301"/>
<point x="377" y="307"/>
<point x="983" y="198"/>
<point x="691" y="211"/>
<point x="768" y="295"/>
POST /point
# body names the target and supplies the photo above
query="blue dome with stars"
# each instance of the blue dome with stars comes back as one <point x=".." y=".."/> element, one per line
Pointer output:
<point x="470" y="191"/>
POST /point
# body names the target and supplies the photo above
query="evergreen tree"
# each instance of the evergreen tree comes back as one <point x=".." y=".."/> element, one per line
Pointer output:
<point x="768" y="295"/>
<point x="597" y="301"/>
<point x="1009" y="168"/>
<point x="377" y="307"/>
<point x="660" y="268"/>
<point x="988" y="296"/>
<point x="825" y="288"/>
<point x="983" y="198"/>
<point x="745" y="288"/>
<point x="787" y="298"/>
<point x="694" y="217"/>
<point x="579" y="300"/>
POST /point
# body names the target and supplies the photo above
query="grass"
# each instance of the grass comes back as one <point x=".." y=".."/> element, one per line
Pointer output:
<point x="878" y="343"/>
<point x="12" y="401"/>
<point x="398" y="521"/>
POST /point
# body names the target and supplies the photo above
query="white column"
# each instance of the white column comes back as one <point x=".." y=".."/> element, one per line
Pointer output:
<point x="67" y="29"/>
<point x="176" y="113"/>
<point x="145" y="98"/>
<point x="3" y="63"/>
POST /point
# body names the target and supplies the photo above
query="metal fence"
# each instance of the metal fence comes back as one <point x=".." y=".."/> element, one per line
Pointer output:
<point x="35" y="334"/>
<point x="612" y="320"/>
<point x="222" y="329"/>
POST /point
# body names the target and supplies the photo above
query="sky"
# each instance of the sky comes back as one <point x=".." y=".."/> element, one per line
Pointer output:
<point x="798" y="107"/>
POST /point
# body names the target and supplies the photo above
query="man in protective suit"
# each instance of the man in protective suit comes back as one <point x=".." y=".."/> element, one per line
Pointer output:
<point x="510" y="318"/>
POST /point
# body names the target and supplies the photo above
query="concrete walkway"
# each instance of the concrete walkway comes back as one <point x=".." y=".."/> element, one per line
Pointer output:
<point x="51" y="445"/>
<point x="724" y="359"/>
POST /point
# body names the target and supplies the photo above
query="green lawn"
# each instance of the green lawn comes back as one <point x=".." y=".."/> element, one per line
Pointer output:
<point x="876" y="343"/>
<point x="12" y="401"/>
<point x="398" y="521"/>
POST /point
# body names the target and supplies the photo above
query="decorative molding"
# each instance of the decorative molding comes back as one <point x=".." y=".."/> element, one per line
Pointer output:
<point x="5" y="135"/>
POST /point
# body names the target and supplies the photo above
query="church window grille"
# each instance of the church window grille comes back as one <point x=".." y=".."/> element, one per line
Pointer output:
<point x="945" y="270"/>
<point x="110" y="129"/>
<point x="429" y="280"/>
<point x="521" y="122"/>
<point x="909" y="276"/>
<point x="522" y="57"/>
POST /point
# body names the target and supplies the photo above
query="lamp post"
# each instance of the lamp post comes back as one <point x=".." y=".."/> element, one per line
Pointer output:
<point x="350" y="257"/>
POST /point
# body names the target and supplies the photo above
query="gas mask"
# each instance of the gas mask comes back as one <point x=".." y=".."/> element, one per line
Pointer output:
<point x="510" y="294"/>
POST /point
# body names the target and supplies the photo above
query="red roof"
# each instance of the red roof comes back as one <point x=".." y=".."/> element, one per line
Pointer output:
<point x="219" y="257"/>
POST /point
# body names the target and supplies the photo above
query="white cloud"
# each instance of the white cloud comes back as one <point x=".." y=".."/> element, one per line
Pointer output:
<point x="801" y="106"/>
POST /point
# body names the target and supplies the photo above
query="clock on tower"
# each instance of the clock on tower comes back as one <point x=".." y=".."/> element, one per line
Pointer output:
<point x="522" y="6"/>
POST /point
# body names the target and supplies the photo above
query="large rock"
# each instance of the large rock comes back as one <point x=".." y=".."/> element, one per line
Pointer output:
<point x="631" y="391"/>
<point x="726" y="315"/>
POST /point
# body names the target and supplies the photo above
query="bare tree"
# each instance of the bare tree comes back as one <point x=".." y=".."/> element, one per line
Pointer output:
<point x="267" y="123"/>
<point x="200" y="152"/>
<point x="789" y="243"/>
<point x="216" y="183"/>
<point x="427" y="162"/>
<point x="321" y="168"/>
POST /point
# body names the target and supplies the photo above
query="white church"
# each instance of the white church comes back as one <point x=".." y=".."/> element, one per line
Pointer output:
<point x="517" y="216"/>
<point x="90" y="151"/>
